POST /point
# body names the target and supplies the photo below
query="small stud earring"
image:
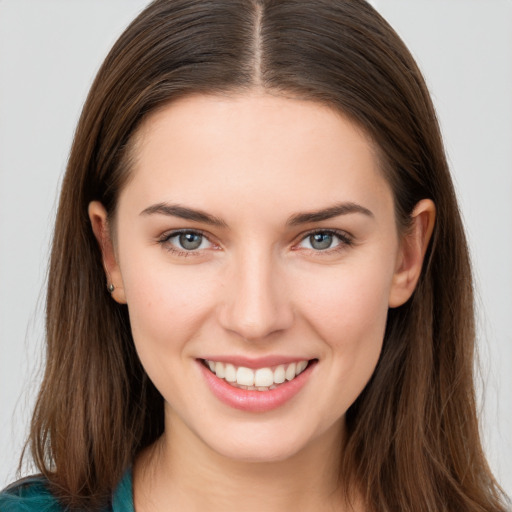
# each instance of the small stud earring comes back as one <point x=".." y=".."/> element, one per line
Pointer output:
<point x="110" y="288"/>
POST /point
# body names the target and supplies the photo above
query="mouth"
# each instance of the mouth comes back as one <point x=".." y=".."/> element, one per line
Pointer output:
<point x="252" y="388"/>
<point x="257" y="379"/>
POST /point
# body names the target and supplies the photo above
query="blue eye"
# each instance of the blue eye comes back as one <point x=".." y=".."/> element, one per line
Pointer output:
<point x="186" y="241"/>
<point x="321" y="241"/>
<point x="190" y="241"/>
<point x="324" y="240"/>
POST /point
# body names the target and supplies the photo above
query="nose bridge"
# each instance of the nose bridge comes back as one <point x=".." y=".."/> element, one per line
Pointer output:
<point x="257" y="304"/>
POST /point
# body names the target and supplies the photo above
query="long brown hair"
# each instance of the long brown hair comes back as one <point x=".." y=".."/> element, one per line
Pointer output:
<point x="413" y="441"/>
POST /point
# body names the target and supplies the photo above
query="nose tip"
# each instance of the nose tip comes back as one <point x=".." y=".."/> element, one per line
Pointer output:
<point x="256" y="303"/>
<point x="254" y="329"/>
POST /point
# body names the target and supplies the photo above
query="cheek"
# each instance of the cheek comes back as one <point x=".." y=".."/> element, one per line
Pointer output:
<point x="168" y="307"/>
<point x="347" y="302"/>
<point x="348" y="311"/>
<point x="166" y="303"/>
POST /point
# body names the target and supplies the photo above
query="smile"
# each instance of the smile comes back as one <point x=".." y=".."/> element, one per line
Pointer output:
<point x="256" y="390"/>
<point x="260" y="379"/>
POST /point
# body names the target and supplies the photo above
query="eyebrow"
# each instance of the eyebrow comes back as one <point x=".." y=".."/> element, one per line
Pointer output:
<point x="183" y="212"/>
<point x="328" y="213"/>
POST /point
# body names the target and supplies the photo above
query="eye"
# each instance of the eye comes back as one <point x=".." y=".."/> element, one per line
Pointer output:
<point x="324" y="240"/>
<point x="185" y="241"/>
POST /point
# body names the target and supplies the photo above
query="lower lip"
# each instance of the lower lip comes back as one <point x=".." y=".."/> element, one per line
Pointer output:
<point x="255" y="401"/>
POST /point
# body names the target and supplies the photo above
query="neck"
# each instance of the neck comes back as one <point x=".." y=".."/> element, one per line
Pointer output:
<point x="180" y="472"/>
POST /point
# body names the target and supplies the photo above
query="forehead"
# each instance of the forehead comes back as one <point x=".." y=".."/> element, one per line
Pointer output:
<point x="251" y="148"/>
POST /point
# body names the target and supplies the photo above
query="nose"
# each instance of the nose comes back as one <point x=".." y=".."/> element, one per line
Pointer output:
<point x="256" y="302"/>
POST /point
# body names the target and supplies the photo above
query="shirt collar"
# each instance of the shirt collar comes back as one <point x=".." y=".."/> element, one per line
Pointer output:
<point x="122" y="499"/>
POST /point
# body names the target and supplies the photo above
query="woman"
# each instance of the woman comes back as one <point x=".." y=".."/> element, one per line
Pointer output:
<point x="287" y="316"/>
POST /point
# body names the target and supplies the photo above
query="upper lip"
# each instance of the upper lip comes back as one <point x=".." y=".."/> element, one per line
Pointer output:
<point x="254" y="363"/>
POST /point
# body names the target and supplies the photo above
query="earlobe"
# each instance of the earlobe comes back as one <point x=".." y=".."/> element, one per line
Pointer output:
<point x="412" y="251"/>
<point x="99" y="223"/>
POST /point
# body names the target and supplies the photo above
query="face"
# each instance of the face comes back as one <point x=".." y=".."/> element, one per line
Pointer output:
<point x="256" y="247"/>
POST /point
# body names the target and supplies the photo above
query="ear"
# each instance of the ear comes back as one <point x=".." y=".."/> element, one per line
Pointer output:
<point x="412" y="251"/>
<point x="101" y="229"/>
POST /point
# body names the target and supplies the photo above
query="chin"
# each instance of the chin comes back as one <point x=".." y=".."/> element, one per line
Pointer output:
<point x="257" y="444"/>
<point x="258" y="453"/>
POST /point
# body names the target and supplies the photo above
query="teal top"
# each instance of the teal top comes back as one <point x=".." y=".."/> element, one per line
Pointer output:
<point x="32" y="495"/>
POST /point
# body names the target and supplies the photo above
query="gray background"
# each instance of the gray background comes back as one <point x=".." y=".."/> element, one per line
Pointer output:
<point x="49" y="53"/>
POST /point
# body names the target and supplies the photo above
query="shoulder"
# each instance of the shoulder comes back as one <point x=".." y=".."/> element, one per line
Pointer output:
<point x="32" y="494"/>
<point x="29" y="495"/>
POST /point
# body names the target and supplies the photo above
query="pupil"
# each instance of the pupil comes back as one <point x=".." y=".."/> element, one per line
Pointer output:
<point x="321" y="241"/>
<point x="190" y="241"/>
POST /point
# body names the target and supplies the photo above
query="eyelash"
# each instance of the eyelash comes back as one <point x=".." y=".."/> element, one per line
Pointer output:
<point x="345" y="240"/>
<point x="164" y="241"/>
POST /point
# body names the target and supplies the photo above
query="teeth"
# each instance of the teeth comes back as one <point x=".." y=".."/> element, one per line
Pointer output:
<point x="264" y="377"/>
<point x="279" y="374"/>
<point x="230" y="373"/>
<point x="301" y="366"/>
<point x="261" y="379"/>
<point x="290" y="371"/>
<point x="244" y="376"/>
<point x="220" y="370"/>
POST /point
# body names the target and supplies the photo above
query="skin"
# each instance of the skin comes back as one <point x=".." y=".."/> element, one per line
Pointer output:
<point x="256" y="286"/>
